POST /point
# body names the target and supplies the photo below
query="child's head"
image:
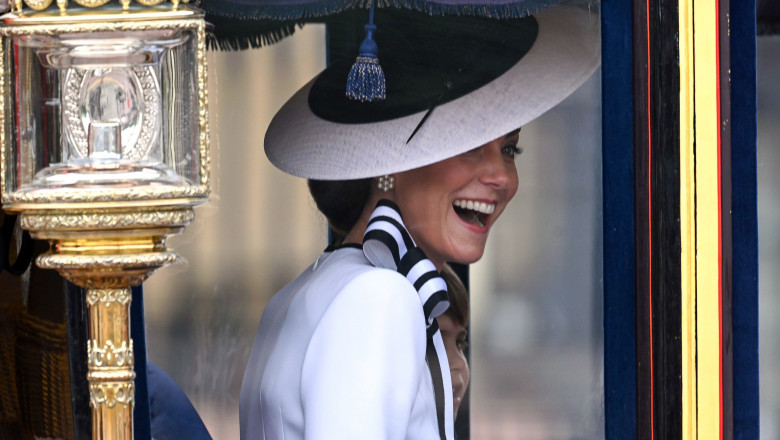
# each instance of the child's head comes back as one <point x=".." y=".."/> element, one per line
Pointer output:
<point x="453" y="325"/>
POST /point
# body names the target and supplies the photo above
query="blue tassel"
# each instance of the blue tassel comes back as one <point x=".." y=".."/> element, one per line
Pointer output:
<point x="366" y="80"/>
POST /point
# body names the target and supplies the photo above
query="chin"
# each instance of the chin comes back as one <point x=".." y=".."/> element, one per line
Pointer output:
<point x="467" y="256"/>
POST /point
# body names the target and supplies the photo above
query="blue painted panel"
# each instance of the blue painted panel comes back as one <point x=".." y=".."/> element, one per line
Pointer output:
<point x="618" y="187"/>
<point x="744" y="219"/>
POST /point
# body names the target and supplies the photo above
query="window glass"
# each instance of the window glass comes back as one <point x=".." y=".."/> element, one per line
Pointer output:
<point x="769" y="232"/>
<point x="536" y="295"/>
<point x="257" y="233"/>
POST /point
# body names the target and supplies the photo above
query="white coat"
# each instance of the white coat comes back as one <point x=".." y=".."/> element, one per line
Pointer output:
<point x="340" y="354"/>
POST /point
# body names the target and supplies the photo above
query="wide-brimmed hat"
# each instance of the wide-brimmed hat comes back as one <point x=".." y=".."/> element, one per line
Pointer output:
<point x="453" y="84"/>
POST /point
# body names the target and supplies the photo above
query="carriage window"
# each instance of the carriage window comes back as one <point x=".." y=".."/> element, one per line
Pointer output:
<point x="257" y="233"/>
<point x="536" y="333"/>
<point x="536" y="295"/>
<point x="768" y="91"/>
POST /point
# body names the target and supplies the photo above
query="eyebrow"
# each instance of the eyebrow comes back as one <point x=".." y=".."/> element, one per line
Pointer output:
<point x="513" y="132"/>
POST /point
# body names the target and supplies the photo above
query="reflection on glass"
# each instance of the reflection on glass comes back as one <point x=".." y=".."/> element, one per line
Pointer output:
<point x="72" y="85"/>
<point x="105" y="141"/>
<point x="536" y="298"/>
<point x="128" y="96"/>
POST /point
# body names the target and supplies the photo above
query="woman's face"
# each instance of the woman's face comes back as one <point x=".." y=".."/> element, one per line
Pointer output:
<point x="450" y="206"/>
<point x="454" y="336"/>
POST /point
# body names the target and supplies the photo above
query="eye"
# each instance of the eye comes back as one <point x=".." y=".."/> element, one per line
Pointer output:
<point x="511" y="151"/>
<point x="462" y="344"/>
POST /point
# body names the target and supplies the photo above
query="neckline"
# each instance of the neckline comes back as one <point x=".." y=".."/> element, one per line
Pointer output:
<point x="336" y="247"/>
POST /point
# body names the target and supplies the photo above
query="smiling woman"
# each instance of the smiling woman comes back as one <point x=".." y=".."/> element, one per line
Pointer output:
<point x="451" y="205"/>
<point x="351" y="348"/>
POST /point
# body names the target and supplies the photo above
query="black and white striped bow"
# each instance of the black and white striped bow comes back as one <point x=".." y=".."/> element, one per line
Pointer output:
<point x="388" y="244"/>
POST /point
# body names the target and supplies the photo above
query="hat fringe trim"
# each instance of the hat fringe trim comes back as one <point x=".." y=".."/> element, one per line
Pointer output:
<point x="241" y="41"/>
<point x="226" y="39"/>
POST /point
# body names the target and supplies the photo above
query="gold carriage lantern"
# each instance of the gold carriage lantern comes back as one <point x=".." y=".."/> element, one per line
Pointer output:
<point x="104" y="144"/>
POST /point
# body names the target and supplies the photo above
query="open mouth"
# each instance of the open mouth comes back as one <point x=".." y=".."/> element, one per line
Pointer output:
<point x="473" y="212"/>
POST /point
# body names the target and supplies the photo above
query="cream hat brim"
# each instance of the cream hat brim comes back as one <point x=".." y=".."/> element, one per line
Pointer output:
<point x="565" y="54"/>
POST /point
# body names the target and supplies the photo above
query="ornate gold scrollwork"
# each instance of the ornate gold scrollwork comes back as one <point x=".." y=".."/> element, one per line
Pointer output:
<point x="109" y="394"/>
<point x="3" y="112"/>
<point x="106" y="262"/>
<point x="188" y="194"/>
<point x="108" y="297"/>
<point x="110" y="355"/>
<point x="106" y="219"/>
<point x="110" y="361"/>
<point x="38" y="5"/>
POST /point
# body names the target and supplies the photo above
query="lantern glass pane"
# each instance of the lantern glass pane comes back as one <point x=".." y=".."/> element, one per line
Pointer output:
<point x="104" y="110"/>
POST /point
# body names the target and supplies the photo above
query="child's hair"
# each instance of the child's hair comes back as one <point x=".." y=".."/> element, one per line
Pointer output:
<point x="458" y="295"/>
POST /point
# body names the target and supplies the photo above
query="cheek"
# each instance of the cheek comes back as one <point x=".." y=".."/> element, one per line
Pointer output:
<point x="511" y="190"/>
<point x="416" y="196"/>
<point x="513" y="183"/>
<point x="450" y="348"/>
<point x="463" y="364"/>
<point x="466" y="370"/>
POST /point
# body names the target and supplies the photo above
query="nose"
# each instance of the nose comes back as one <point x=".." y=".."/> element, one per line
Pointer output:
<point x="497" y="170"/>
<point x="458" y="383"/>
<point x="459" y="370"/>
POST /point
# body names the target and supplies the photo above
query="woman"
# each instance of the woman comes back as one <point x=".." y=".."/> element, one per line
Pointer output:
<point x="453" y="325"/>
<point x="351" y="348"/>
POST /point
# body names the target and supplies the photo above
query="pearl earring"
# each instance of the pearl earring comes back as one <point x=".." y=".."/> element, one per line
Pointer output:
<point x="385" y="183"/>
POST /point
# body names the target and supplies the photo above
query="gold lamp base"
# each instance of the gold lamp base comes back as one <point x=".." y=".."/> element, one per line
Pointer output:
<point x="108" y="251"/>
<point x="105" y="184"/>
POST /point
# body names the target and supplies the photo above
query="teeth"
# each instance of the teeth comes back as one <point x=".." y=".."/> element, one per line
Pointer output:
<point x="482" y="207"/>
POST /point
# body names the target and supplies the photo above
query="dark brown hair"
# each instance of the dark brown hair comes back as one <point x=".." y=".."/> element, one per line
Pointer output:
<point x="458" y="295"/>
<point x="341" y="201"/>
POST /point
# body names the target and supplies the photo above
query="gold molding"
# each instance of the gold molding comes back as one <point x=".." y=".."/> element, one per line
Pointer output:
<point x="105" y="219"/>
<point x="115" y="271"/>
<point x="203" y="105"/>
<point x="109" y="394"/>
<point x="4" y="108"/>
<point x="108" y="297"/>
<point x="110" y="363"/>
<point x="106" y="262"/>
<point x="98" y="279"/>
<point x="149" y="2"/>
<point x="77" y="25"/>
<point x="38" y="4"/>
<point x="109" y="355"/>
<point x="86" y="3"/>
<point x="107" y="14"/>
<point x="142" y="196"/>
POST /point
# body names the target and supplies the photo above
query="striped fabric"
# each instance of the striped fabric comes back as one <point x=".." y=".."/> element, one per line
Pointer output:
<point x="387" y="244"/>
